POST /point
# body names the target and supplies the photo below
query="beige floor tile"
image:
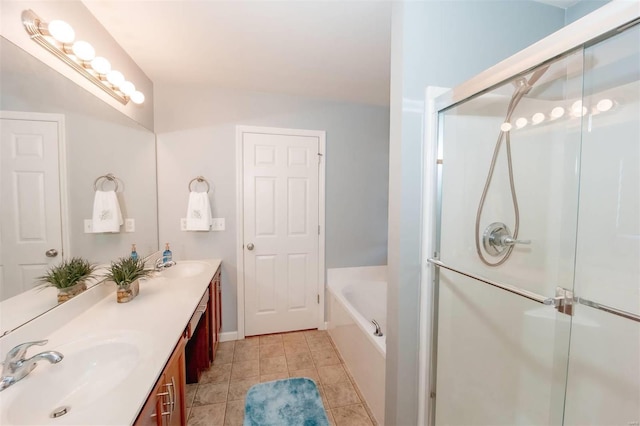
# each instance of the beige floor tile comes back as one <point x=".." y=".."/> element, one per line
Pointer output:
<point x="234" y="415"/>
<point x="332" y="374"/>
<point x="207" y="415"/>
<point x="351" y="415"/>
<point x="325" y="357"/>
<point x="310" y="373"/>
<point x="238" y="389"/>
<point x="270" y="339"/>
<point x="300" y="361"/>
<point x="223" y="358"/>
<point x="216" y="374"/>
<point x="247" y="354"/>
<point x="246" y="342"/>
<point x="226" y="346"/>
<point x="271" y="351"/>
<point x="246" y="369"/>
<point x="291" y="348"/>
<point x="273" y="365"/>
<point x="190" y="393"/>
<point x="314" y="333"/>
<point x="319" y="342"/>
<point x="329" y="416"/>
<point x="211" y="393"/>
<point x="341" y="394"/>
<point x="274" y="376"/>
<point x="294" y="337"/>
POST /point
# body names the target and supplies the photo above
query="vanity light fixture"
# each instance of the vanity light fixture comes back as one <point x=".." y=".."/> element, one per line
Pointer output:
<point x="57" y="37"/>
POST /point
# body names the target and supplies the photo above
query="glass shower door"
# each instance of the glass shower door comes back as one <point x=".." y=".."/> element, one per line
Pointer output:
<point x="603" y="385"/>
<point x="508" y="230"/>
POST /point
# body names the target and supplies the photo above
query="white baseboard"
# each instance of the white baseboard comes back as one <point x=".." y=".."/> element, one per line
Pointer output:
<point x="228" y="336"/>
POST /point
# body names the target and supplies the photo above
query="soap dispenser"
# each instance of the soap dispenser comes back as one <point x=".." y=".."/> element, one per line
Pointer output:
<point x="166" y="254"/>
<point x="134" y="253"/>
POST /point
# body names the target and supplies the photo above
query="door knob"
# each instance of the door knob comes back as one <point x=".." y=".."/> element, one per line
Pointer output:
<point x="250" y="246"/>
<point x="51" y="253"/>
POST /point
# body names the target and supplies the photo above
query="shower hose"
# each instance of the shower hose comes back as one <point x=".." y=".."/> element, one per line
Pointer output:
<point x="523" y="86"/>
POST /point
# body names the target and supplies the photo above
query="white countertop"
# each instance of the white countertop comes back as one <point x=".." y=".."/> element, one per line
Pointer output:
<point x="153" y="321"/>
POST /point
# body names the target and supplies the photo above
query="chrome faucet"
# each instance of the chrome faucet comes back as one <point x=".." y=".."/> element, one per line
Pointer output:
<point x="160" y="264"/>
<point x="15" y="367"/>
<point x="378" y="331"/>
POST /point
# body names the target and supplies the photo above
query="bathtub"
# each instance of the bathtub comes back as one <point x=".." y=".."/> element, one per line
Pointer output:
<point x="357" y="296"/>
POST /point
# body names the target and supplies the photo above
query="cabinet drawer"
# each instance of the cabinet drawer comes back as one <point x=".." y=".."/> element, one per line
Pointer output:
<point x="195" y="318"/>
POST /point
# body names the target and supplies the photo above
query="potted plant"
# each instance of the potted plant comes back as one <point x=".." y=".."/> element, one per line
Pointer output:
<point x="126" y="272"/>
<point x="69" y="277"/>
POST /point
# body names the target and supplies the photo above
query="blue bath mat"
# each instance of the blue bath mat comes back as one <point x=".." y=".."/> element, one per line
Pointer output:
<point x="289" y="402"/>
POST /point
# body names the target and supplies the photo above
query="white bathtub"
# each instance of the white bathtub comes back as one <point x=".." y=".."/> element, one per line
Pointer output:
<point x="357" y="296"/>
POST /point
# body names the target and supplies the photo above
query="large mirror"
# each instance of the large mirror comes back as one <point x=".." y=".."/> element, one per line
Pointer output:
<point x="57" y="139"/>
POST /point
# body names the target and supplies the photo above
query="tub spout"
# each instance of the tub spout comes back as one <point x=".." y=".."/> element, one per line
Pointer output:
<point x="378" y="331"/>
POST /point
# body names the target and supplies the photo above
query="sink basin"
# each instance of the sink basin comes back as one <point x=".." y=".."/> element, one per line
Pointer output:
<point x="91" y="368"/>
<point x="185" y="269"/>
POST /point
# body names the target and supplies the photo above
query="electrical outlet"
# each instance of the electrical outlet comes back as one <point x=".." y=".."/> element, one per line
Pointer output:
<point x="183" y="224"/>
<point x="88" y="226"/>
<point x="217" y="224"/>
<point x="129" y="225"/>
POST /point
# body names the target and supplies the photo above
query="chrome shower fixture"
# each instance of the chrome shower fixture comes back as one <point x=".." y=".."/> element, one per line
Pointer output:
<point x="497" y="238"/>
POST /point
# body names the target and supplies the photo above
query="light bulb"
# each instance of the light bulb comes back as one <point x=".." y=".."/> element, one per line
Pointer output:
<point x="537" y="118"/>
<point x="61" y="31"/>
<point x="577" y="109"/>
<point x="557" y="112"/>
<point x="505" y="127"/>
<point x="137" y="97"/>
<point x="604" y="105"/>
<point x="115" y="78"/>
<point x="521" y="122"/>
<point x="101" y="65"/>
<point x="83" y="51"/>
<point x="127" y="88"/>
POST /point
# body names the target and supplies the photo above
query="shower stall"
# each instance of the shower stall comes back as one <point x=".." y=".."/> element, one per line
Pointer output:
<point x="535" y="261"/>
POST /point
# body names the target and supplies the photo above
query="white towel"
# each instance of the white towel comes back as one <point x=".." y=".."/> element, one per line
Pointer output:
<point x="107" y="216"/>
<point x="198" y="212"/>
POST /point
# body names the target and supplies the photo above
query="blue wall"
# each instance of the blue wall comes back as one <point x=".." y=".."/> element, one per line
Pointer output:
<point x="434" y="43"/>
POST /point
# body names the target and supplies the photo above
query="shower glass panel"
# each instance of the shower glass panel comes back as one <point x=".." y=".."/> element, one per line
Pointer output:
<point x="603" y="385"/>
<point x="502" y="355"/>
<point x="540" y="206"/>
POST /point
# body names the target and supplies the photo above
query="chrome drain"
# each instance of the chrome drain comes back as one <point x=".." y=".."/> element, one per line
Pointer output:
<point x="59" y="412"/>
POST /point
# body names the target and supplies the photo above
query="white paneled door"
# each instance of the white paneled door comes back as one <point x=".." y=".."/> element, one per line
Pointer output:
<point x="31" y="230"/>
<point x="281" y="232"/>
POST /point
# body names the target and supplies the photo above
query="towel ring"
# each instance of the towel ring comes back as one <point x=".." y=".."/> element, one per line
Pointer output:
<point x="199" y="179"/>
<point x="109" y="177"/>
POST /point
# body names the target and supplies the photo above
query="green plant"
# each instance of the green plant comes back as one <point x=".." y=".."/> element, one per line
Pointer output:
<point x="126" y="270"/>
<point x="68" y="273"/>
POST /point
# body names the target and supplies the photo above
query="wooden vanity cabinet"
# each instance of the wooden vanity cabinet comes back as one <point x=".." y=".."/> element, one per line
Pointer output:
<point x="215" y="313"/>
<point x="166" y="405"/>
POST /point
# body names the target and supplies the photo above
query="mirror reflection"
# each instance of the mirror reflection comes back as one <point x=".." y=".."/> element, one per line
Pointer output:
<point x="57" y="141"/>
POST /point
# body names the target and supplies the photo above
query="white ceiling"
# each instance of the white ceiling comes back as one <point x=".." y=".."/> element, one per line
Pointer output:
<point x="564" y="4"/>
<point x="323" y="49"/>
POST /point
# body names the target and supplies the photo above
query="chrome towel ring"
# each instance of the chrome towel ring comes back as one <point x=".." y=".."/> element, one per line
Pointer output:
<point x="109" y="177"/>
<point x="199" y="179"/>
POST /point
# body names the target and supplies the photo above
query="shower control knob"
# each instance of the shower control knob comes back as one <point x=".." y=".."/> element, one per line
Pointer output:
<point x="497" y="239"/>
<point x="508" y="241"/>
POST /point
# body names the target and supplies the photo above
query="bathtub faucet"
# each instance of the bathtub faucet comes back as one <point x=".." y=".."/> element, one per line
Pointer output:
<point x="378" y="331"/>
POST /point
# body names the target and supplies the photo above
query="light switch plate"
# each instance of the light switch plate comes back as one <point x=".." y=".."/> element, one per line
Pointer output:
<point x="217" y="224"/>
<point x="129" y="225"/>
<point x="88" y="226"/>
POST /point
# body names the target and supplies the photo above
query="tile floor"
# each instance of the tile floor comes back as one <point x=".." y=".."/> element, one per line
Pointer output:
<point x="219" y="397"/>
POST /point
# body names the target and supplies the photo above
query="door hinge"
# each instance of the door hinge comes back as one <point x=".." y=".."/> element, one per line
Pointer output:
<point x="318" y="299"/>
<point x="319" y="158"/>
<point x="318" y="229"/>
